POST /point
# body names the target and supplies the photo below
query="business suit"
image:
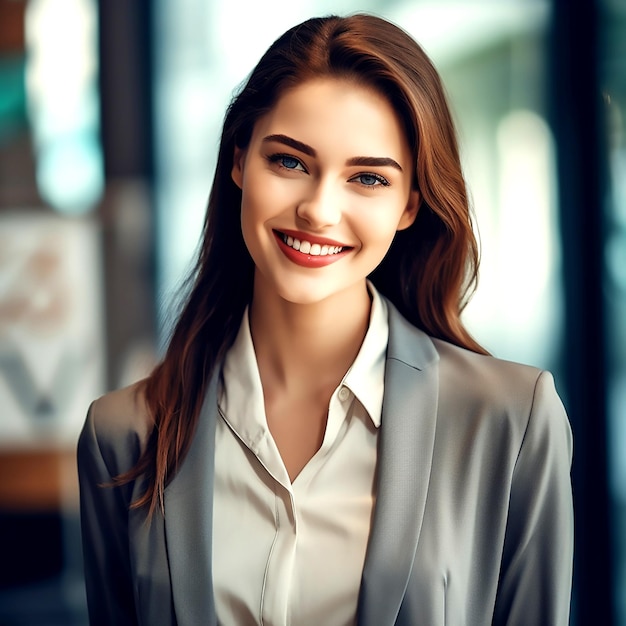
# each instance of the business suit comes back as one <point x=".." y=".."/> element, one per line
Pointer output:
<point x="472" y="523"/>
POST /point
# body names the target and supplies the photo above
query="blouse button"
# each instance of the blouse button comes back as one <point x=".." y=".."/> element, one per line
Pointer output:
<point x="344" y="394"/>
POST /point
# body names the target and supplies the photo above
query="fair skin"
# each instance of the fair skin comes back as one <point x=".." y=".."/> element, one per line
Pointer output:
<point x="328" y="166"/>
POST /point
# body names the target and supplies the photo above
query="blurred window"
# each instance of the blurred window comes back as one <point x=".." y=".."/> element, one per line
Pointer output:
<point x="613" y="81"/>
<point x="61" y="82"/>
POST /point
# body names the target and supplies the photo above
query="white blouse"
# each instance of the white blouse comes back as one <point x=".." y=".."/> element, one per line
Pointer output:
<point x="292" y="553"/>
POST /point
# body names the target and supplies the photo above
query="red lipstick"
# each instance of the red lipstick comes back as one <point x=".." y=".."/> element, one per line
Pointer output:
<point x="309" y="260"/>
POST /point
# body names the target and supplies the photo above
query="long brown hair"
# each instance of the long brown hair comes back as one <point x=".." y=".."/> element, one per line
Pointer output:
<point x="428" y="273"/>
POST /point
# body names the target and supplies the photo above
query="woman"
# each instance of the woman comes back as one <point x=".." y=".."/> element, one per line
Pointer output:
<point x="324" y="443"/>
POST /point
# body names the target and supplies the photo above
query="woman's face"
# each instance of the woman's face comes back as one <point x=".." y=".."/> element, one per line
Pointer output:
<point x="326" y="183"/>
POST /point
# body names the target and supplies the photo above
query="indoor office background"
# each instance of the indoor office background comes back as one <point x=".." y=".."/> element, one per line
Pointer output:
<point x="109" y="122"/>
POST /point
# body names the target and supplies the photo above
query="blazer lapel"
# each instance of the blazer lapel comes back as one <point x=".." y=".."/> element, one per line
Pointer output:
<point x="188" y="522"/>
<point x="405" y="457"/>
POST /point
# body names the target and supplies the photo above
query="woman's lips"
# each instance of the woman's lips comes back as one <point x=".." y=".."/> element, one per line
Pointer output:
<point x="309" y="251"/>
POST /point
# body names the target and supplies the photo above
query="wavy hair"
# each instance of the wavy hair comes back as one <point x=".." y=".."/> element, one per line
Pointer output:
<point x="431" y="267"/>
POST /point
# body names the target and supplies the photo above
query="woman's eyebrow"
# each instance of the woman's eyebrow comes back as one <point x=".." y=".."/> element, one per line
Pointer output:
<point x="306" y="149"/>
<point x="374" y="162"/>
<point x="292" y="143"/>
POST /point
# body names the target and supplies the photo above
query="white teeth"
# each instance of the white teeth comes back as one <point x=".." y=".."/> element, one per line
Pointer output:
<point x="314" y="249"/>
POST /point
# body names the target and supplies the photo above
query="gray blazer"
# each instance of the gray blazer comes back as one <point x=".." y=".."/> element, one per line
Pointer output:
<point x="473" y="520"/>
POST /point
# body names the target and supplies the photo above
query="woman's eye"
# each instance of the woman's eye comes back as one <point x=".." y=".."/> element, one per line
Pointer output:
<point x="288" y="162"/>
<point x="371" y="180"/>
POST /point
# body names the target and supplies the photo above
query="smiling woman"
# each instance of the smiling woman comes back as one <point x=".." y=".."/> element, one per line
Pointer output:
<point x="323" y="442"/>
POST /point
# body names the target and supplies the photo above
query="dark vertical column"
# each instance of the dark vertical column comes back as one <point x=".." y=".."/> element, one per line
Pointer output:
<point x="576" y="103"/>
<point x="126" y="84"/>
<point x="126" y="72"/>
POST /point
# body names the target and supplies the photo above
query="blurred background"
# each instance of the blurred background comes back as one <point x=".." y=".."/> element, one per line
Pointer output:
<point x="110" y="113"/>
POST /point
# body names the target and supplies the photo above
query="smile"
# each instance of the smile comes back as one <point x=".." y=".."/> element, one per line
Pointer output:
<point x="306" y="247"/>
<point x="312" y="254"/>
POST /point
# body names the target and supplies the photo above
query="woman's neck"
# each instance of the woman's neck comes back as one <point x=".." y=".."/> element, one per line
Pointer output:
<point x="308" y="344"/>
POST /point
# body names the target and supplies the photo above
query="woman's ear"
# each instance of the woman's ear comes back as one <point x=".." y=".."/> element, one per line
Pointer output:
<point x="237" y="172"/>
<point x="410" y="212"/>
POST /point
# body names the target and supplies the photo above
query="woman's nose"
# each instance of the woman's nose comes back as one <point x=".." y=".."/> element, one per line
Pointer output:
<point x="322" y="207"/>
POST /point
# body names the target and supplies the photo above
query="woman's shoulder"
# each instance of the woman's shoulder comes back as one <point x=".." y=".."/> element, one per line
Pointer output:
<point x="501" y="390"/>
<point x="119" y="423"/>
<point x="122" y="410"/>
<point x="484" y="368"/>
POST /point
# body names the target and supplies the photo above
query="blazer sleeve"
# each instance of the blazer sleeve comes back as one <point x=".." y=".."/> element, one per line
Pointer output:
<point x="104" y="523"/>
<point x="535" y="579"/>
